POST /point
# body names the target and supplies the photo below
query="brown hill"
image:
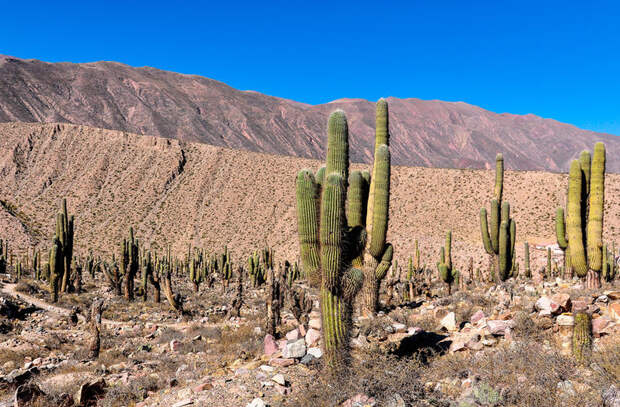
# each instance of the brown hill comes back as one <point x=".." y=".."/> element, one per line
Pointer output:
<point x="192" y="108"/>
<point x="175" y="192"/>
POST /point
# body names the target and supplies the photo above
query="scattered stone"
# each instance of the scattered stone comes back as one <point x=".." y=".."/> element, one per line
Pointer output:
<point x="279" y="378"/>
<point x="270" y="346"/>
<point x="281" y="362"/>
<point x="598" y="326"/>
<point x="203" y="387"/>
<point x="565" y="320"/>
<point x="399" y="327"/>
<point x="546" y="306"/>
<point x="182" y="403"/>
<point x="477" y="316"/>
<point x="256" y="403"/>
<point x="293" y="335"/>
<point x="614" y="311"/>
<point x="449" y="322"/>
<point x="498" y="327"/>
<point x="315" y="323"/>
<point x="296" y="349"/>
<point x="316" y="352"/>
<point x="306" y="360"/>
<point x="563" y="300"/>
<point x="360" y="400"/>
<point x="613" y="295"/>
<point x="266" y="368"/>
<point x="312" y="336"/>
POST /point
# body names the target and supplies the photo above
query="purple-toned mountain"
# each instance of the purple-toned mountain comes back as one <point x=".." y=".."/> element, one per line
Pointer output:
<point x="193" y="108"/>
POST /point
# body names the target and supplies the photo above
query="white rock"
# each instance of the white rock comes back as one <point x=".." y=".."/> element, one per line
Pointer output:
<point x="316" y="352"/>
<point x="279" y="378"/>
<point x="296" y="349"/>
<point x="256" y="403"/>
<point x="449" y="322"/>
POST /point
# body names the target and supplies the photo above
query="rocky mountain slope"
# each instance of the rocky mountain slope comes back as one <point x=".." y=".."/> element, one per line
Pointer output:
<point x="192" y="108"/>
<point x="176" y="192"/>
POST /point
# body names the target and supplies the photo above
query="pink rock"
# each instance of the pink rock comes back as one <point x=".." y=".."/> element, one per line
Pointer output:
<point x="312" y="337"/>
<point x="302" y="330"/>
<point x="360" y="400"/>
<point x="499" y="327"/>
<point x="579" y="305"/>
<point x="563" y="300"/>
<point x="282" y="344"/>
<point x="478" y="315"/>
<point x="599" y="325"/>
<point x="270" y="346"/>
<point x="202" y="387"/>
<point x="282" y="362"/>
<point x="293" y="335"/>
<point x="547" y="306"/>
<point x="614" y="311"/>
<point x="457" y="345"/>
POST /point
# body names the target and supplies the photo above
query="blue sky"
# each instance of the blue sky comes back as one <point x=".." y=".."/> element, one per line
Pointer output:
<point x="556" y="59"/>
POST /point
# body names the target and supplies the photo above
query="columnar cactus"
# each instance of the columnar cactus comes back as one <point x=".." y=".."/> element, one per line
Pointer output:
<point x="64" y="232"/>
<point x="584" y="218"/>
<point x="3" y="256"/>
<point x="500" y="236"/>
<point x="56" y="264"/>
<point x="129" y="263"/>
<point x="446" y="273"/>
<point x="339" y="243"/>
<point x="582" y="336"/>
<point x="366" y="213"/>
<point x="526" y="255"/>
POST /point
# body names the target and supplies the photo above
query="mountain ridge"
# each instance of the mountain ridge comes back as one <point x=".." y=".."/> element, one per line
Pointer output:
<point x="150" y="101"/>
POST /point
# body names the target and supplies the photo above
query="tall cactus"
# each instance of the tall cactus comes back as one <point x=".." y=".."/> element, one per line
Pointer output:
<point x="366" y="213"/>
<point x="378" y="253"/>
<point x="584" y="220"/>
<point x="64" y="232"/>
<point x="446" y="272"/>
<point x="526" y="255"/>
<point x="335" y="242"/>
<point x="56" y="265"/>
<point x="499" y="236"/>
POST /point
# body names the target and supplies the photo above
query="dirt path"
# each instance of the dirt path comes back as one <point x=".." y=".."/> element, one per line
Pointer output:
<point x="9" y="289"/>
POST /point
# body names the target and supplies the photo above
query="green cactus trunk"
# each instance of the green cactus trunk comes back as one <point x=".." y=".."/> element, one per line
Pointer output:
<point x="582" y="337"/>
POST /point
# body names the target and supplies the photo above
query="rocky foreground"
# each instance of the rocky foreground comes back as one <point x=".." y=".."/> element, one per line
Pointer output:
<point x="483" y="345"/>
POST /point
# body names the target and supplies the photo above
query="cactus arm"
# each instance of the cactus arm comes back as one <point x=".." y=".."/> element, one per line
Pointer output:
<point x="499" y="177"/>
<point x="308" y="225"/>
<point x="484" y="228"/>
<point x="596" y="206"/>
<point x="386" y="262"/>
<point x="574" y="226"/>
<point x="560" y="228"/>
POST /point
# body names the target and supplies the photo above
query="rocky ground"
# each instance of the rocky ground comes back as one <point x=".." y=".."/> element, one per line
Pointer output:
<point x="484" y="345"/>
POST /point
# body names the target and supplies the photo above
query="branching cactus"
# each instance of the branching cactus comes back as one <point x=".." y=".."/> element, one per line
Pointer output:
<point x="332" y="237"/>
<point x="584" y="217"/>
<point x="499" y="236"/>
<point x="64" y="232"/>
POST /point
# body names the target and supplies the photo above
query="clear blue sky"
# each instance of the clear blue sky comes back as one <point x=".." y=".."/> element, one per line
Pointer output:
<point x="556" y="59"/>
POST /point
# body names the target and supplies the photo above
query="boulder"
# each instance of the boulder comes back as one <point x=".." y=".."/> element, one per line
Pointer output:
<point x="614" y="311"/>
<point x="295" y="349"/>
<point x="449" y="322"/>
<point x="270" y="346"/>
<point x="312" y="336"/>
<point x="477" y="316"/>
<point x="499" y="327"/>
<point x="546" y="306"/>
<point x="563" y="300"/>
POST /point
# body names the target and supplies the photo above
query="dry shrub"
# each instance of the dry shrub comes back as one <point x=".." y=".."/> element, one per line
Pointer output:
<point x="26" y="288"/>
<point x="372" y="373"/>
<point x="606" y="366"/>
<point x="523" y="374"/>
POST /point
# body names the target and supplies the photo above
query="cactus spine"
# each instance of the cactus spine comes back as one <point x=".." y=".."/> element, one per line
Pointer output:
<point x="584" y="220"/>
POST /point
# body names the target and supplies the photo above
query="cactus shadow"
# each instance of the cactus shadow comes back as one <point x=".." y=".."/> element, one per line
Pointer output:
<point x="424" y="344"/>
